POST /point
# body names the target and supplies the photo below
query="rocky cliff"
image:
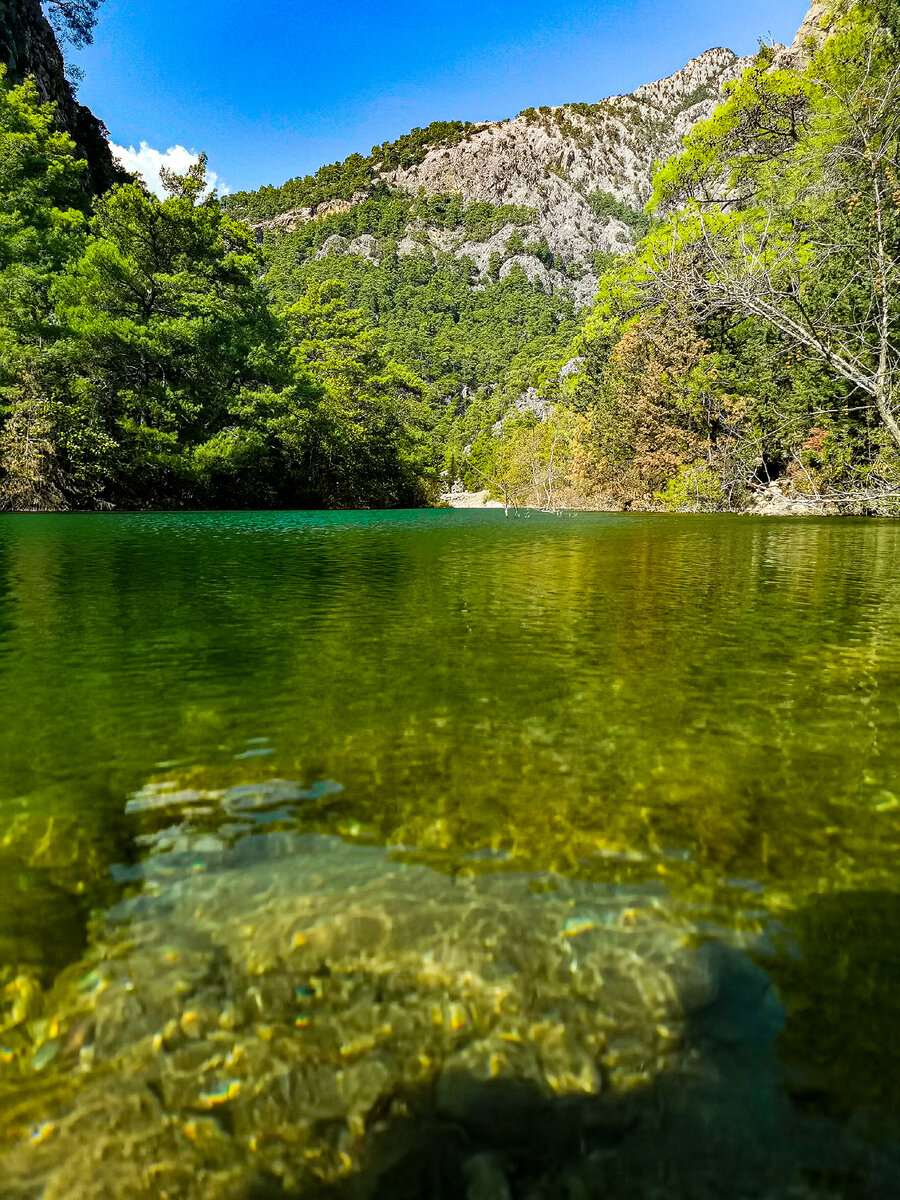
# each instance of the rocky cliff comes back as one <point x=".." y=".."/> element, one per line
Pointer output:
<point x="584" y="170"/>
<point x="28" y="46"/>
<point x="576" y="176"/>
<point x="556" y="159"/>
<point x="813" y="30"/>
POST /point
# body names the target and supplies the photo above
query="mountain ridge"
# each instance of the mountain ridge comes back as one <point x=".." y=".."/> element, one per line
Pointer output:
<point x="584" y="170"/>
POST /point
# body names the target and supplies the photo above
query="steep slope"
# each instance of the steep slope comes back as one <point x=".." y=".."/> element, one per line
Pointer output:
<point x="814" y="29"/>
<point x="556" y="159"/>
<point x="475" y="249"/>
<point x="28" y="46"/>
<point x="579" y="172"/>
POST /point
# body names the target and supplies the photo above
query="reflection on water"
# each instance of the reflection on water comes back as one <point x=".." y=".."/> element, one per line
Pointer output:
<point x="435" y="854"/>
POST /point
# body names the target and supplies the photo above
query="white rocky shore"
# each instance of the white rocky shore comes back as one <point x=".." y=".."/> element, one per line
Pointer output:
<point x="458" y="497"/>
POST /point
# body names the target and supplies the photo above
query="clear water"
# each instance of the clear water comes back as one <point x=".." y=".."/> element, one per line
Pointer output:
<point x="641" y="772"/>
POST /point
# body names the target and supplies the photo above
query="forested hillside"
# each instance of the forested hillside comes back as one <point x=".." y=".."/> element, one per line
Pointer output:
<point x="525" y="306"/>
<point x="741" y="349"/>
<point x="476" y="249"/>
<point x="748" y="349"/>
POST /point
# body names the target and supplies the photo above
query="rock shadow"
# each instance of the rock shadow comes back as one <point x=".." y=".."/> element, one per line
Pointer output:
<point x="721" y="1125"/>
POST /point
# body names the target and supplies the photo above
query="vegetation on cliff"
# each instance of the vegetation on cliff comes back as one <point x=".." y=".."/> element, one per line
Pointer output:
<point x="73" y="20"/>
<point x="752" y="337"/>
<point x="341" y="180"/>
<point x="29" y="49"/>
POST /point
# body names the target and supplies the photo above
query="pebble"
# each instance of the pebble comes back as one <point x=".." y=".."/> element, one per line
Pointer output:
<point x="45" y="1055"/>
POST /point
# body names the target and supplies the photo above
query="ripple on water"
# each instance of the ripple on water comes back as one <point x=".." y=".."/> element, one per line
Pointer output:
<point x="704" y="713"/>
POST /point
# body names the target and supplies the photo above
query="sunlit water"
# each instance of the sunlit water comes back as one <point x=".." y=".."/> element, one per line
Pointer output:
<point x="440" y="854"/>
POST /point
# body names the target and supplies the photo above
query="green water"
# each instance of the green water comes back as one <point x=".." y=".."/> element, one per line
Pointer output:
<point x="703" y="710"/>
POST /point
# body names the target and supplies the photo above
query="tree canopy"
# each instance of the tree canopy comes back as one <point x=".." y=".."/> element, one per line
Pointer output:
<point x="73" y="20"/>
<point x="776" y="240"/>
<point x="160" y="352"/>
<point x="142" y="361"/>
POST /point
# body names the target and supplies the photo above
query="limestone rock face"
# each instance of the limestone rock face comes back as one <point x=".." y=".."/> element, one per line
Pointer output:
<point x="552" y="159"/>
<point x="366" y="246"/>
<point x="532" y="403"/>
<point x="533" y="268"/>
<point x="332" y="245"/>
<point x="812" y="32"/>
<point x="28" y="46"/>
<point x="286" y="221"/>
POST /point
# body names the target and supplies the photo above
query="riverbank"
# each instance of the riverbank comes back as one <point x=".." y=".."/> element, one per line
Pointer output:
<point x="768" y="501"/>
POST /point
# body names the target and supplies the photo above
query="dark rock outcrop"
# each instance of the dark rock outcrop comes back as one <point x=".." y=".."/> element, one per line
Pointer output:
<point x="28" y="46"/>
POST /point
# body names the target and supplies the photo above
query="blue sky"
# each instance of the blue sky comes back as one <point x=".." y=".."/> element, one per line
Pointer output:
<point x="276" y="88"/>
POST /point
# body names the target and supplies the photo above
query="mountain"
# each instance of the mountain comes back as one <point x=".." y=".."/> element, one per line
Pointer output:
<point x="28" y="46"/>
<point x="556" y="159"/>
<point x="577" y="174"/>
<point x="476" y="248"/>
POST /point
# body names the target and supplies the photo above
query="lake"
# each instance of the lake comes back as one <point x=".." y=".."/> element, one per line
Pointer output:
<point x="438" y="853"/>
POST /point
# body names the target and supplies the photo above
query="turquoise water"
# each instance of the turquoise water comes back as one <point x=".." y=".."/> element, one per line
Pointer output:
<point x="679" y="729"/>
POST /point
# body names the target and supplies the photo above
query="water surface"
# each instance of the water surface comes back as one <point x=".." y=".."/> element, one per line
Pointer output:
<point x="677" y="731"/>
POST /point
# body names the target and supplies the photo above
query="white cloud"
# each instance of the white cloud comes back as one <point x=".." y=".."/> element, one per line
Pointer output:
<point x="146" y="162"/>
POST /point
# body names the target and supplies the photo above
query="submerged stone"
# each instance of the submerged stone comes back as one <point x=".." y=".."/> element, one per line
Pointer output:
<point x="321" y="1014"/>
<point x="158" y="796"/>
<point x="305" y="981"/>
<point x="266" y="794"/>
<point x="47" y="1053"/>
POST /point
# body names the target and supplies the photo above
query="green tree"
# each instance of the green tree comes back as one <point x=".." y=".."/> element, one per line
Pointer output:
<point x="366" y="443"/>
<point x="778" y="242"/>
<point x="73" y="20"/>
<point x="41" y="205"/>
<point x="42" y="226"/>
<point x="167" y="328"/>
<point x="792" y="210"/>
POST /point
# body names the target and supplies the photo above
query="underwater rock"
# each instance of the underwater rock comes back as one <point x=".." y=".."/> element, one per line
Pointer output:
<point x="271" y="1015"/>
<point x="47" y="1053"/>
<point x="272" y="792"/>
<point x="485" y="1178"/>
<point x="157" y="796"/>
<point x="238" y="800"/>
